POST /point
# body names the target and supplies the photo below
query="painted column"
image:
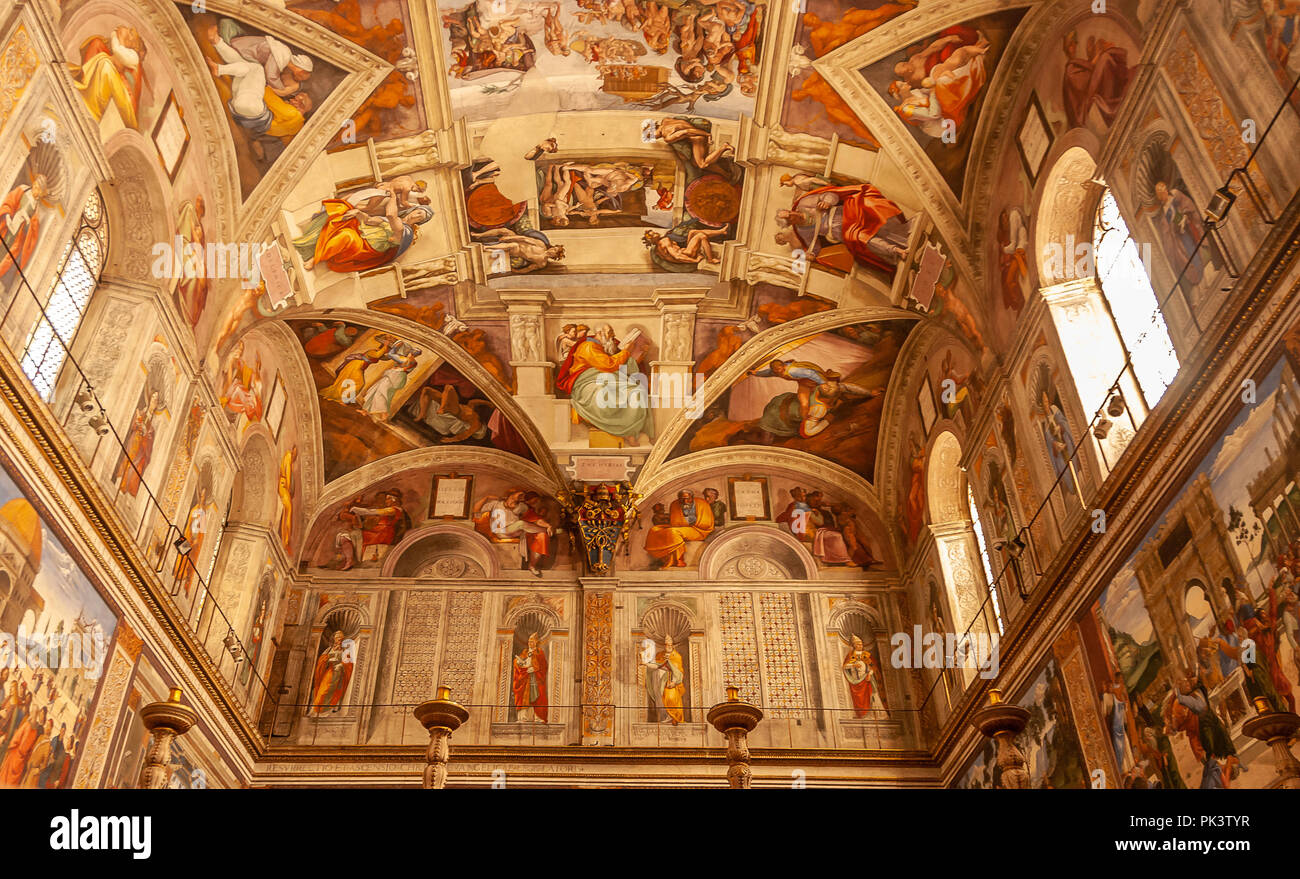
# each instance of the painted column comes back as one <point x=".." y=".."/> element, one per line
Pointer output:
<point x="597" y="663"/>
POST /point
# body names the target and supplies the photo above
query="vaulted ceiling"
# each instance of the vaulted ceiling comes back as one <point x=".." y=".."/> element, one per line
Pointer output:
<point x="476" y="210"/>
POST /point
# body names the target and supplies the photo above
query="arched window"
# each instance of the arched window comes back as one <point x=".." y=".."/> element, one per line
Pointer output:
<point x="77" y="277"/>
<point x="1133" y="305"/>
<point x="984" y="558"/>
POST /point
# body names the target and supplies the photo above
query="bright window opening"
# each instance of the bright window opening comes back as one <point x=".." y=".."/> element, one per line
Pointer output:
<point x="1127" y="288"/>
<point x="984" y="558"/>
<point x="77" y="277"/>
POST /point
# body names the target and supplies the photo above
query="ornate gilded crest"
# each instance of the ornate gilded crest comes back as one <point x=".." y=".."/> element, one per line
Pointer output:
<point x="600" y="515"/>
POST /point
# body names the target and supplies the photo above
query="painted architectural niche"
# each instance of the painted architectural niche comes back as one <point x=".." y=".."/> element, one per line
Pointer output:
<point x="533" y="698"/>
<point x="669" y="673"/>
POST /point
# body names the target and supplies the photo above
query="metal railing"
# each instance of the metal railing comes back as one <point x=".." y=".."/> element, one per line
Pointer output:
<point x="198" y="609"/>
<point x="393" y="724"/>
<point x="1024" y="554"/>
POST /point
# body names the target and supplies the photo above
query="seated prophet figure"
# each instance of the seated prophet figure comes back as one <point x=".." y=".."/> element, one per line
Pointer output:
<point x="688" y="520"/>
<point x="606" y="387"/>
<point x="839" y="225"/>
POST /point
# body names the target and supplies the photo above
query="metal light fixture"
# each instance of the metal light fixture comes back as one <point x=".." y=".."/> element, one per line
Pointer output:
<point x="1115" y="408"/>
<point x="1102" y="428"/>
<point x="1220" y="203"/>
<point x="233" y="647"/>
<point x="182" y="543"/>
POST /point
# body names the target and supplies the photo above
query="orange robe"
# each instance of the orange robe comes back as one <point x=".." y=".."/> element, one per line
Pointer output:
<point x="20" y="749"/>
<point x="667" y="543"/>
<point x="331" y="677"/>
<point x="24" y="240"/>
<point x="342" y="247"/>
<point x="529" y="689"/>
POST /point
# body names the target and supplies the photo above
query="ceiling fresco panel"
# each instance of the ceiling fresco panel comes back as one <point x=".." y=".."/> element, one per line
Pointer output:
<point x="812" y="106"/>
<point x="507" y="58"/>
<point x="268" y="88"/>
<point x="380" y="395"/>
<point x="822" y="394"/>
<point x="938" y="86"/>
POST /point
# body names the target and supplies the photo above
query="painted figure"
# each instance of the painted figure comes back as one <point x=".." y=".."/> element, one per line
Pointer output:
<point x="940" y="81"/>
<point x="242" y="394"/>
<point x="689" y="520"/>
<point x="1099" y="78"/>
<point x="665" y="682"/>
<point x="22" y="208"/>
<point x="138" y="451"/>
<point x="1013" y="242"/>
<point x="806" y="411"/>
<point x="383" y="525"/>
<point x="192" y="286"/>
<point x="605" y="385"/>
<point x="285" y="489"/>
<point x="1181" y="231"/>
<point x="862" y="674"/>
<point x="518" y="517"/>
<point x="333" y="672"/>
<point x="350" y="378"/>
<point x="528" y="683"/>
<point x="838" y="225"/>
<point x="344" y="239"/>
<point x="112" y="73"/>
<point x="200" y="519"/>
<point x="914" y="512"/>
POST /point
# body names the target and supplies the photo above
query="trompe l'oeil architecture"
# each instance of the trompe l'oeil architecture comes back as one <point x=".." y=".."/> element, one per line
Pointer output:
<point x="670" y="392"/>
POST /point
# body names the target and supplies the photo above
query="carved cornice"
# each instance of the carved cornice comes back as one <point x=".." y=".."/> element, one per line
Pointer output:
<point x="61" y="461"/>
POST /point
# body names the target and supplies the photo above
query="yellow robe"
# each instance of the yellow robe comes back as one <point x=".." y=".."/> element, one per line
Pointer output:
<point x="354" y="371"/>
<point x="101" y="84"/>
<point x="674" y="694"/>
<point x="286" y="119"/>
<point x="286" y="497"/>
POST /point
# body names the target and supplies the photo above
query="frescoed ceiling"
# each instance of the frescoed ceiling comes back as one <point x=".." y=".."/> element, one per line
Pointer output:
<point x="628" y="231"/>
